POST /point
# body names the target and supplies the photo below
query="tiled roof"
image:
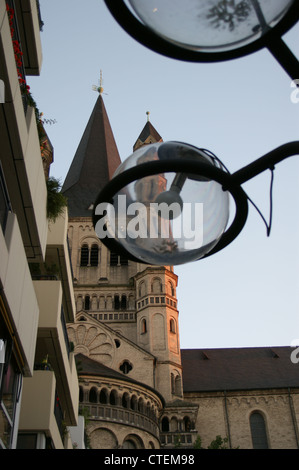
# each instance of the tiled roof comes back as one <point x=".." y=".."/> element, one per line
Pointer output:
<point x="90" y="367"/>
<point x="148" y="131"/>
<point x="87" y="366"/>
<point x="94" y="163"/>
<point x="238" y="369"/>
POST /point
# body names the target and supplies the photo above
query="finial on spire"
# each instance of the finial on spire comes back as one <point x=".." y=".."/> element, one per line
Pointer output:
<point x="99" y="88"/>
<point x="147" y="113"/>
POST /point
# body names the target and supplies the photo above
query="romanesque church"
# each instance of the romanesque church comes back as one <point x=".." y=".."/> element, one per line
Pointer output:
<point x="138" y="388"/>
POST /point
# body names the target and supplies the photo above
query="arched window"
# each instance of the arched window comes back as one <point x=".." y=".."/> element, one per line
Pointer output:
<point x="140" y="405"/>
<point x="157" y="286"/>
<point x="94" y="255"/>
<point x="143" y="326"/>
<point x="81" y="395"/>
<point x="172" y="326"/>
<point x="177" y="385"/>
<point x="258" y="431"/>
<point x="103" y="397"/>
<point x="187" y="424"/>
<point x="93" y="398"/>
<point x="113" y="397"/>
<point x="116" y="302"/>
<point x="84" y="255"/>
<point x="165" y="424"/>
<point x="171" y="289"/>
<point x="87" y="303"/>
<point x="133" y="403"/>
<point x="129" y="444"/>
<point x="123" y="303"/>
<point x="125" y="400"/>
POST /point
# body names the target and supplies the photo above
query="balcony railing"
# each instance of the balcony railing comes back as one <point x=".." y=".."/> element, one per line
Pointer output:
<point x="17" y="49"/>
<point x="5" y="206"/>
<point x="64" y="329"/>
<point x="58" y="413"/>
<point x="121" y="415"/>
<point x="178" y="439"/>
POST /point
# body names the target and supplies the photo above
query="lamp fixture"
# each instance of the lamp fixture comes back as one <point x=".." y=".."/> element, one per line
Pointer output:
<point x="210" y="30"/>
<point x="168" y="203"/>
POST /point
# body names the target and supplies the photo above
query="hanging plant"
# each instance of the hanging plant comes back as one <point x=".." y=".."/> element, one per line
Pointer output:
<point x="17" y="49"/>
<point x="56" y="202"/>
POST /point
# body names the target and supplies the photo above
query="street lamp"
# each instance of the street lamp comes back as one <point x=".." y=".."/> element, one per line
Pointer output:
<point x="210" y="30"/>
<point x="168" y="203"/>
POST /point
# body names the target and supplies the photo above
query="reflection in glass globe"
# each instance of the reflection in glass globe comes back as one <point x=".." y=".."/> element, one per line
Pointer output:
<point x="168" y="218"/>
<point x="210" y="25"/>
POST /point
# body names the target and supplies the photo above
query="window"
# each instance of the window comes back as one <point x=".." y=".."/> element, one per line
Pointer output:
<point x="143" y="326"/>
<point x="103" y="397"/>
<point x="93" y="398"/>
<point x="165" y="425"/>
<point x="84" y="255"/>
<point x="258" y="431"/>
<point x="116" y="302"/>
<point x="118" y="260"/>
<point x="123" y="304"/>
<point x="10" y="389"/>
<point x="126" y="367"/>
<point x="27" y="441"/>
<point x="94" y="255"/>
<point x="156" y="285"/>
<point x="87" y="303"/>
<point x="172" y="325"/>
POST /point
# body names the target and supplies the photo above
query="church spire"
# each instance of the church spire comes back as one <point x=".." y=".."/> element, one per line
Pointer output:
<point x="94" y="163"/>
<point x="148" y="135"/>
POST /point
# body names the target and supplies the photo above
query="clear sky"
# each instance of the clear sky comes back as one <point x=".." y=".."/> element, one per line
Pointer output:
<point x="248" y="294"/>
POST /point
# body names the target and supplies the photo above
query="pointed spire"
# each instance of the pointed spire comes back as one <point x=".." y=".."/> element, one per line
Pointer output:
<point x="94" y="163"/>
<point x="148" y="135"/>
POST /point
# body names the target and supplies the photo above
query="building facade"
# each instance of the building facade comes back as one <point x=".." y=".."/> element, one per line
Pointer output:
<point x="137" y="387"/>
<point x="39" y="389"/>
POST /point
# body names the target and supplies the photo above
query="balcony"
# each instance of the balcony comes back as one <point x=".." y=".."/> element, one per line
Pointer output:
<point x="20" y="151"/>
<point x="29" y="25"/>
<point x="57" y="253"/>
<point x="23" y="308"/>
<point x="39" y="405"/>
<point x="123" y="416"/>
<point x="52" y="342"/>
<point x="178" y="439"/>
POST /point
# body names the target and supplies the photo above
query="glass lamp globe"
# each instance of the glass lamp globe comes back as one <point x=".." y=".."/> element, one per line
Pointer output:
<point x="159" y="215"/>
<point x="210" y="25"/>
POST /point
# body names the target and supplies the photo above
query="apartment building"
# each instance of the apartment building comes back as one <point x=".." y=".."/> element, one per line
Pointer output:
<point x="39" y="390"/>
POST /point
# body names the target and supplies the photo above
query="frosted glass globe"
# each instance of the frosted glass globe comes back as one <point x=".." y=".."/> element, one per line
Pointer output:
<point x="210" y="25"/>
<point x="167" y="218"/>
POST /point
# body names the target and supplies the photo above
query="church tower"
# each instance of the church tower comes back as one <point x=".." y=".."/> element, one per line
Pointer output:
<point x="127" y="319"/>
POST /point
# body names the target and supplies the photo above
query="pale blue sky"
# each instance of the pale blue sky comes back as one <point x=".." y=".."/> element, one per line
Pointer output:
<point x="246" y="295"/>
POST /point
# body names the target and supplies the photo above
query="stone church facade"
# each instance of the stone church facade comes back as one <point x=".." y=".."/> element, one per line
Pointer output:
<point x="138" y="388"/>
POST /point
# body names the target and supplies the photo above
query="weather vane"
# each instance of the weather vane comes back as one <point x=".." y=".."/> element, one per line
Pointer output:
<point x="99" y="88"/>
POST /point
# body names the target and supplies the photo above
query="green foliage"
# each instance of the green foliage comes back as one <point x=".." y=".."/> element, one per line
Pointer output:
<point x="56" y="201"/>
<point x="217" y="443"/>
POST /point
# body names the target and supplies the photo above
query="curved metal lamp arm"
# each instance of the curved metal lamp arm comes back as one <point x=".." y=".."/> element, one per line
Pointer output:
<point x="266" y="162"/>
